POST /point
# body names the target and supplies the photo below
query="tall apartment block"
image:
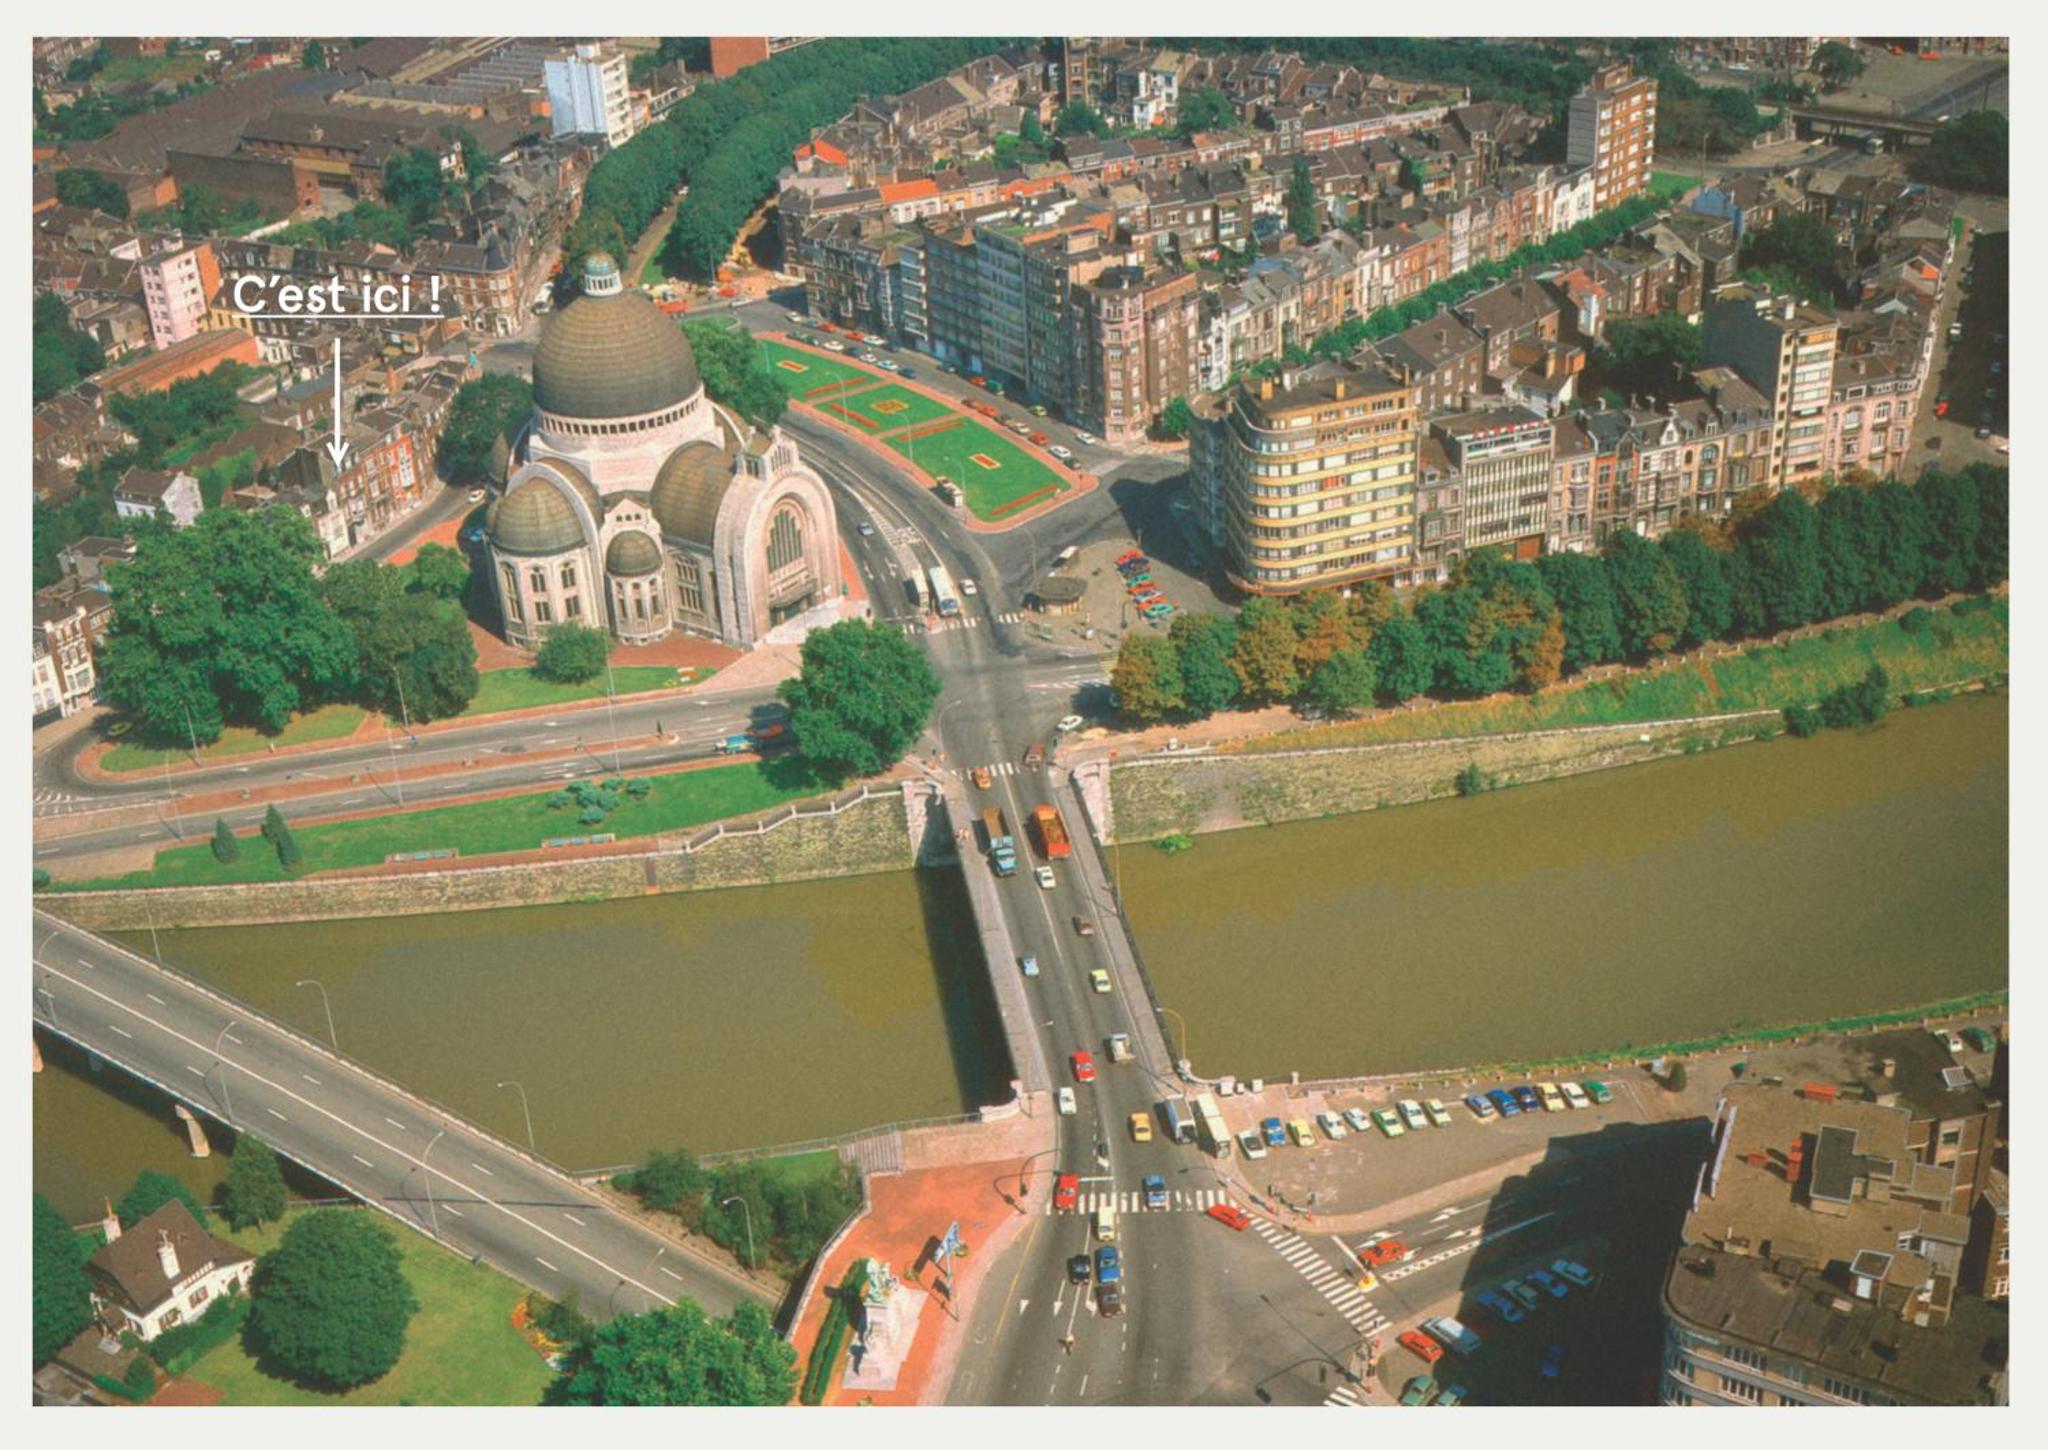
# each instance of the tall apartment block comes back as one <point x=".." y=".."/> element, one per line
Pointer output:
<point x="1785" y="349"/>
<point x="588" y="96"/>
<point x="1315" y="484"/>
<point x="1612" y="128"/>
<point x="178" y="286"/>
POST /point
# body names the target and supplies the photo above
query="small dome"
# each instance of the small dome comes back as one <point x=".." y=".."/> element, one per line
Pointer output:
<point x="534" y="518"/>
<point x="631" y="555"/>
<point x="611" y="353"/>
<point x="688" y="491"/>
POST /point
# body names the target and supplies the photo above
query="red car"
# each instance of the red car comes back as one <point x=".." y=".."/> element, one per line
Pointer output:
<point x="1425" y="1349"/>
<point x="1066" y="1191"/>
<point x="1383" y="1253"/>
<point x="1230" y="1216"/>
<point x="1084" y="1067"/>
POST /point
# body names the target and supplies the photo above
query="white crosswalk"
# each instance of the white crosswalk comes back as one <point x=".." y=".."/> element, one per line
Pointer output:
<point x="1013" y="617"/>
<point x="1339" y="1289"/>
<point x="994" y="767"/>
<point x="1178" y="1200"/>
<point x="1346" y="1396"/>
<point x="942" y="626"/>
<point x="48" y="801"/>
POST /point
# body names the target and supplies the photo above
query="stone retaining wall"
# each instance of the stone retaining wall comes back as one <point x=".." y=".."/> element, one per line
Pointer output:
<point x="870" y="835"/>
<point x="1162" y="795"/>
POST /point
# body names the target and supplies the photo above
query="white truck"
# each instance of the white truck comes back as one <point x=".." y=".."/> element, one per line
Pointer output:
<point x="1209" y="1130"/>
<point x="945" y="598"/>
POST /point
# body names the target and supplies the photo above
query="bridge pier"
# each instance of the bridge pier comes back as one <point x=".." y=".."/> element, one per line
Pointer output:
<point x="195" y="1131"/>
<point x="35" y="1050"/>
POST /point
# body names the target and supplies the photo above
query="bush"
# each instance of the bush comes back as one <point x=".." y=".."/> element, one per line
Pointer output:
<point x="1803" y="720"/>
<point x="226" y="849"/>
<point x="1176" y="843"/>
<point x="591" y="816"/>
<point x="1917" y="621"/>
<point x="288" y="854"/>
<point x="1674" y="1077"/>
<point x="832" y="1334"/>
<point x="559" y="801"/>
<point x="42" y="879"/>
<point x="639" y="789"/>
<point x="1472" y="780"/>
<point x="139" y="1379"/>
<point x="180" y="1347"/>
<point x="572" y="654"/>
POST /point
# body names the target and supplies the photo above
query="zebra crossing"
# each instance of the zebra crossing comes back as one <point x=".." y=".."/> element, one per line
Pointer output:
<point x="994" y="768"/>
<point x="1346" y="1396"/>
<point x="1178" y="1200"/>
<point x="48" y="801"/>
<point x="944" y="626"/>
<point x="1340" y="1290"/>
<point x="1013" y="617"/>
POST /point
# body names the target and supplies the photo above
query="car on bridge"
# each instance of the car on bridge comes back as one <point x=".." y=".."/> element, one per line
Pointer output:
<point x="1099" y="980"/>
<point x="1275" y="1131"/>
<point x="1141" y="1128"/>
<point x="1066" y="1102"/>
<point x="1230" y="1216"/>
<point x="1045" y="877"/>
<point x="1254" y="1146"/>
<point x="1084" y="926"/>
<point x="1084" y="1066"/>
<point x="1029" y="965"/>
<point x="1421" y="1346"/>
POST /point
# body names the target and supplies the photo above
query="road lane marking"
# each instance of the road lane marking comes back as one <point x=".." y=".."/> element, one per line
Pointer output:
<point x="573" y="1219"/>
<point x="124" y="1032"/>
<point x="545" y="1264"/>
<point x="87" y="965"/>
<point x="453" y="1209"/>
<point x="670" y="1272"/>
<point x="310" y="1078"/>
<point x="195" y="1071"/>
<point x="156" y="999"/>
<point x="362" y="1160"/>
<point x="394" y="1122"/>
<point x="483" y="1170"/>
<point x="277" y="1115"/>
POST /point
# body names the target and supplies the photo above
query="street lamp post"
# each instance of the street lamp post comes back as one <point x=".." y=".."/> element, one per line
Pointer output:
<point x="227" y="1100"/>
<point x="48" y="996"/>
<point x="326" y="1006"/>
<point x="1183" y="1030"/>
<point x="610" y="718"/>
<point x="747" y="1214"/>
<point x="433" y="1218"/>
<point x="397" y="780"/>
<point x="525" y="1112"/>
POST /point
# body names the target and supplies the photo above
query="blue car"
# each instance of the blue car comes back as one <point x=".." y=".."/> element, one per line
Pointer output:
<point x="1108" y="1265"/>
<point x="1553" y="1361"/>
<point x="1155" y="1190"/>
<point x="474" y="536"/>
<point x="905" y="373"/>
<point x="1276" y="1135"/>
<point x="1504" y="1308"/>
<point x="1526" y="1099"/>
<point x="1481" y="1108"/>
<point x="1503" y="1100"/>
<point x="1549" y="1283"/>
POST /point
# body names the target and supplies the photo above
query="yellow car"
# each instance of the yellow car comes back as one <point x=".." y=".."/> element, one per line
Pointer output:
<point x="1141" y="1128"/>
<point x="1099" y="980"/>
<point x="1553" y="1100"/>
<point x="1304" y="1135"/>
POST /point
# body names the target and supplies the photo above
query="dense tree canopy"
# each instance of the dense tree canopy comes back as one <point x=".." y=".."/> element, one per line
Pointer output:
<point x="1973" y="153"/>
<point x="150" y="1192"/>
<point x="861" y="699"/>
<point x="1649" y="597"/>
<point x="736" y="371"/>
<point x="1800" y="247"/>
<point x="254" y="1192"/>
<point x="331" y="1300"/>
<point x="1584" y="591"/>
<point x="414" y="656"/>
<point x="486" y="410"/>
<point x="61" y="354"/>
<point x="1146" y="678"/>
<point x="62" y="1298"/>
<point x="680" y="1356"/>
<point x="78" y="186"/>
<point x="1651" y="356"/>
<point x="1204" y="108"/>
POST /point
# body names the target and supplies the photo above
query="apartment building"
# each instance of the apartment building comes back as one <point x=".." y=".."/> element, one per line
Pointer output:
<point x="1442" y="358"/>
<point x="1317" y="478"/>
<point x="1785" y="349"/>
<point x="1503" y="458"/>
<point x="178" y="285"/>
<point x="1612" y="131"/>
<point x="1135" y="346"/>
<point x="588" y="94"/>
<point x="1820" y="1264"/>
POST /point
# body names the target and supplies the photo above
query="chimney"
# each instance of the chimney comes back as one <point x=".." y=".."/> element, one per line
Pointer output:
<point x="1343" y="388"/>
<point x="110" y="1226"/>
<point x="1889" y="1066"/>
<point x="166" y="1255"/>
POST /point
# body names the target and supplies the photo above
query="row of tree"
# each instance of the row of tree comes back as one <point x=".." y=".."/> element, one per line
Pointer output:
<point x="757" y="1215"/>
<point x="1508" y="625"/>
<point x="226" y="623"/>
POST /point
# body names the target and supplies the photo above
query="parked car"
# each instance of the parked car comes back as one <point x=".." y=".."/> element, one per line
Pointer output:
<point x="1303" y="1135"/>
<point x="1597" y="1091"/>
<point x="476" y="495"/>
<point x="1254" y="1146"/>
<point x="1045" y="877"/>
<point x="1452" y="1335"/>
<point x="1439" y="1115"/>
<point x="1066" y="1102"/>
<point x="1063" y="454"/>
<point x="1230" y="1216"/>
<point x="1481" y="1108"/>
<point x="1038" y="410"/>
<point x="1421" y="1346"/>
<point x="1948" y="1039"/>
<point x="1452" y="1397"/>
<point x="1504" y="1102"/>
<point x="1576" y="1272"/>
<point x="904" y="373"/>
<point x="1388" y="1123"/>
<point x="1066" y="1190"/>
<point x="1502" y="1307"/>
<point x="1332" y="1126"/>
<point x="1574" y="1095"/>
<point x="1109" y="1267"/>
<point x="1275" y="1132"/>
<point x="1553" y="1361"/>
<point x="1081" y="436"/>
<point x="1141" y="1127"/>
<point x="1411" y="1114"/>
<point x="1382" y="1252"/>
<point x="1553" y="1100"/>
<point x="1069" y="724"/>
<point x="1549" y="1283"/>
<point x="1979" y="1039"/>
<point x="796" y="317"/>
<point x="1099" y="979"/>
<point x="1029" y="964"/>
<point x="1418" y="1391"/>
<point x="1522" y="1293"/>
<point x="1526" y="1099"/>
<point x="1359" y="1122"/>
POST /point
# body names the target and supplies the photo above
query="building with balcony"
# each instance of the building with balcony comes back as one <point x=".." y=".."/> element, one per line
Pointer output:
<point x="178" y="285"/>
<point x="588" y="94"/>
<point x="1785" y="349"/>
<point x="1502" y="458"/>
<point x="1612" y="131"/>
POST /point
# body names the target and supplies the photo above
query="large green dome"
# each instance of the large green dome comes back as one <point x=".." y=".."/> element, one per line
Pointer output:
<point x="611" y="353"/>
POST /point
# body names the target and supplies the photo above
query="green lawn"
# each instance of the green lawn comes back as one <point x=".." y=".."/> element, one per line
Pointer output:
<point x="460" y="1349"/>
<point x="1668" y="185"/>
<point x="521" y="689"/>
<point x="329" y="722"/>
<point x="991" y="492"/>
<point x="480" y="828"/>
<point x="1765" y="677"/>
<point x="804" y="372"/>
<point x="878" y="410"/>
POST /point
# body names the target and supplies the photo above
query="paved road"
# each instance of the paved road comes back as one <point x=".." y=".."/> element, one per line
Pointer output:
<point x="428" y="1169"/>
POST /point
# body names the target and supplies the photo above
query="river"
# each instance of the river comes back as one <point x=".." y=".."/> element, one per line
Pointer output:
<point x="708" y="1020"/>
<point x="1756" y="884"/>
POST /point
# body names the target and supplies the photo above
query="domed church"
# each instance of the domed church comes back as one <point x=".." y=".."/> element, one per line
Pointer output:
<point x="634" y="503"/>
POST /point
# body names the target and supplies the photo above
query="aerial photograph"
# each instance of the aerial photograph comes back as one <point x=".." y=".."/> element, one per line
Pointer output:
<point x="1156" y="720"/>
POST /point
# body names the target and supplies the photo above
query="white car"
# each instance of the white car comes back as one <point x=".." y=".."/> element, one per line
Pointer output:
<point x="1411" y="1114"/>
<point x="476" y="495"/>
<point x="1575" y="1095"/>
<point x="1359" y="1122"/>
<point x="1948" y="1039"/>
<point x="1254" y="1146"/>
<point x="1088" y="438"/>
<point x="1066" y="1101"/>
<point x="834" y="345"/>
<point x="1332" y="1126"/>
<point x="1045" y="877"/>
<point x="868" y="357"/>
<point x="1064" y="455"/>
<point x="969" y="588"/>
<point x="1438" y="1113"/>
<point x="1070" y="723"/>
<point x="796" y="317"/>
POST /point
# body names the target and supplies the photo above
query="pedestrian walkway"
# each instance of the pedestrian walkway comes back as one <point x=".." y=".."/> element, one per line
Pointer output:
<point x="1198" y="1200"/>
<point x="1013" y="617"/>
<point x="1347" y="1396"/>
<point x="994" y="767"/>
<point x="1339" y="1289"/>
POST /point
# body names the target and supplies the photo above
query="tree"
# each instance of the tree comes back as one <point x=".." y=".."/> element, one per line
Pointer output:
<point x="1343" y="683"/>
<point x="1649" y="599"/>
<point x="1030" y="131"/>
<point x="1862" y="702"/>
<point x="1804" y="246"/>
<point x="226" y="848"/>
<point x="1585" y="600"/>
<point x="439" y="571"/>
<point x="1702" y="577"/>
<point x="1175" y="419"/>
<point x="1972" y="152"/>
<point x="1301" y="202"/>
<point x="415" y="656"/>
<point x="668" y="1180"/>
<point x="139" y="1379"/>
<point x="484" y="412"/>
<point x="1146" y="679"/>
<point x="331" y="1302"/>
<point x="62" y="354"/>
<point x="1078" y="118"/>
<point x="273" y="823"/>
<point x="1203" y="644"/>
<point x="1203" y="109"/>
<point x="150" y="1192"/>
<point x="415" y="184"/>
<point x="1954" y="510"/>
<point x="1403" y="659"/>
<point x="1836" y="64"/>
<point x="1466" y="641"/>
<point x="223" y="621"/>
<point x="678" y="1356"/>
<point x="1780" y="549"/>
<point x="1652" y="356"/>
<point x="62" y="1297"/>
<point x="736" y="372"/>
<point x="1523" y="615"/>
<point x="254" y="1192"/>
<point x="861" y="698"/>
<point x="572" y="654"/>
<point x="288" y="853"/>
<point x="1263" y="655"/>
<point x="93" y="189"/>
<point x="314" y="57"/>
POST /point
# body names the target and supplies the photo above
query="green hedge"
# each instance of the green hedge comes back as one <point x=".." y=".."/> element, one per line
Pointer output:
<point x="832" y="1333"/>
<point x="178" y="1348"/>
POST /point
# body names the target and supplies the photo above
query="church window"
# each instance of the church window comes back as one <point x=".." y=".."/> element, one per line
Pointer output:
<point x="538" y="578"/>
<point x="785" y="538"/>
<point x="512" y="593"/>
<point x="568" y="576"/>
<point x="572" y="607"/>
<point x="542" y="614"/>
